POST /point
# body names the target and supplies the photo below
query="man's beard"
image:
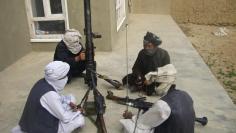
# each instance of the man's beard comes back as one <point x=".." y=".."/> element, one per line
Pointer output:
<point x="150" y="52"/>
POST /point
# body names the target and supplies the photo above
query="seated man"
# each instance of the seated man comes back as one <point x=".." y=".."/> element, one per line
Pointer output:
<point x="71" y="51"/>
<point x="46" y="110"/>
<point x="149" y="58"/>
<point x="172" y="113"/>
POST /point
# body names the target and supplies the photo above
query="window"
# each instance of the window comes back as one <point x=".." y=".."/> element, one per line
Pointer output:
<point x="47" y="19"/>
<point x="120" y="13"/>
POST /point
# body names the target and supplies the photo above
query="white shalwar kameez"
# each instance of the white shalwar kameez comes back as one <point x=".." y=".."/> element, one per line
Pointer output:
<point x="57" y="104"/>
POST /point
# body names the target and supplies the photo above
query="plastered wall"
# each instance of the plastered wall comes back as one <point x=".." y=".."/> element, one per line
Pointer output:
<point x="14" y="32"/>
<point x="101" y="23"/>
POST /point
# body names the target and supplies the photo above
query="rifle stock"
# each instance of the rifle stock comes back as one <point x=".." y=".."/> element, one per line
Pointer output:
<point x="115" y="83"/>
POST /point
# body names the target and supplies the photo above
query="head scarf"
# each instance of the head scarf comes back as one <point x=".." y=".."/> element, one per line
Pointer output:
<point x="71" y="39"/>
<point x="151" y="38"/>
<point x="56" y="74"/>
<point x="165" y="75"/>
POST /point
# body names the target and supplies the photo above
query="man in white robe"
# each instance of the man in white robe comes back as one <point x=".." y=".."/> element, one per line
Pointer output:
<point x="46" y="109"/>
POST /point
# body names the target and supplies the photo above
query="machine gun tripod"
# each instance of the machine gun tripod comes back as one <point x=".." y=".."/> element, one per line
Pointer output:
<point x="97" y="107"/>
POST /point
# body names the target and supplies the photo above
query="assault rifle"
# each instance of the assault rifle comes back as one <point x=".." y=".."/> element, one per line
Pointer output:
<point x="140" y="104"/>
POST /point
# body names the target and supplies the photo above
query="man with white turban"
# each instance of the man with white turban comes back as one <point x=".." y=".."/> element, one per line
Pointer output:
<point x="46" y="110"/>
<point x="172" y="113"/>
<point x="71" y="51"/>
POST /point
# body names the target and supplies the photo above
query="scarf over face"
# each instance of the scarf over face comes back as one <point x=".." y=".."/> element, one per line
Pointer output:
<point x="56" y="74"/>
<point x="71" y="39"/>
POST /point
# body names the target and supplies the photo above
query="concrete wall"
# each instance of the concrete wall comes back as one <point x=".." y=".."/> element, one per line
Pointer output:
<point x="151" y="6"/>
<point x="204" y="11"/>
<point x="101" y="23"/>
<point x="14" y="32"/>
<point x="100" y="20"/>
<point x="16" y="25"/>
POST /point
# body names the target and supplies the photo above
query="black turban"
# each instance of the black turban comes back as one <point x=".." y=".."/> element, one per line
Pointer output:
<point x="152" y="38"/>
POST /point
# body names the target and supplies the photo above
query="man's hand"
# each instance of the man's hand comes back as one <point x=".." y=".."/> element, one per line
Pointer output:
<point x="127" y="114"/>
<point x="147" y="82"/>
<point x="75" y="108"/>
<point x="80" y="57"/>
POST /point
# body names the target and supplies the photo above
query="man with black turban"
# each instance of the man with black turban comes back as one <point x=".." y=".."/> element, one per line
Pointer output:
<point x="149" y="59"/>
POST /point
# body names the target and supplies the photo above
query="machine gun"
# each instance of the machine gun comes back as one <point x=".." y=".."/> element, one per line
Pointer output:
<point x="91" y="79"/>
<point x="140" y="104"/>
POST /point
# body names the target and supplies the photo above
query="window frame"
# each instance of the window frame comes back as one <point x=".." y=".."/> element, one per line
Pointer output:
<point x="48" y="17"/>
<point x="122" y="7"/>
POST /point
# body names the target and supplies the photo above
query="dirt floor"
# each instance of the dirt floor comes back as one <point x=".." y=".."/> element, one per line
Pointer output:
<point x="217" y="46"/>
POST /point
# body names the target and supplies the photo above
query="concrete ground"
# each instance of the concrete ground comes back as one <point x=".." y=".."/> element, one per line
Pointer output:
<point x="210" y="99"/>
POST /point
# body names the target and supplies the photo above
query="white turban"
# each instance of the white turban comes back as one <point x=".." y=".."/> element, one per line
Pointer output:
<point x="165" y="75"/>
<point x="71" y="39"/>
<point x="56" y="74"/>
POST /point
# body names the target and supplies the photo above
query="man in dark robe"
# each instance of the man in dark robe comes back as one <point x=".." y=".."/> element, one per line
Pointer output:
<point x="149" y="58"/>
<point x="71" y="51"/>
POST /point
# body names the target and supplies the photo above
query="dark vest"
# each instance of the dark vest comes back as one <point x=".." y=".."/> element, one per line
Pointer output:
<point x="182" y="115"/>
<point x="35" y="118"/>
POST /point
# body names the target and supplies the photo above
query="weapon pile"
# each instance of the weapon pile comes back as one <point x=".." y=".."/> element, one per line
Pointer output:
<point x="140" y="104"/>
